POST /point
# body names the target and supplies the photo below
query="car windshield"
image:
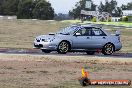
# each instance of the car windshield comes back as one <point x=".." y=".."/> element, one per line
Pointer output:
<point x="68" y="30"/>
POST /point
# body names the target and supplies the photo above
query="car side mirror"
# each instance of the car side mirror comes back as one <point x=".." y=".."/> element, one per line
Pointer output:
<point x="77" y="34"/>
<point x="117" y="33"/>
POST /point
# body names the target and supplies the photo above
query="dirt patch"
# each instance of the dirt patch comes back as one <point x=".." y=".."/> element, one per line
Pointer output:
<point x="50" y="71"/>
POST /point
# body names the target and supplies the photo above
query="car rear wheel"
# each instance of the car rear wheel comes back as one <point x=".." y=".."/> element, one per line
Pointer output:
<point x="108" y="49"/>
<point x="63" y="47"/>
<point x="46" y="51"/>
<point x="90" y="52"/>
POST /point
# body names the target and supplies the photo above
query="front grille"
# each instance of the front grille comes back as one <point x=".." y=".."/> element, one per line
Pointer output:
<point x="38" y="46"/>
<point x="38" y="40"/>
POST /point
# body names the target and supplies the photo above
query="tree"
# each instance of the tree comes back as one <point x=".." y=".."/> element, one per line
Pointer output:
<point x="1" y="7"/>
<point x="101" y="7"/>
<point x="81" y="6"/>
<point x="117" y="12"/>
<point x="35" y="9"/>
<point x="75" y="13"/>
<point x="8" y="7"/>
<point x="25" y="8"/>
<point x="110" y="7"/>
<point x="127" y="7"/>
<point x="43" y="10"/>
<point x="61" y="16"/>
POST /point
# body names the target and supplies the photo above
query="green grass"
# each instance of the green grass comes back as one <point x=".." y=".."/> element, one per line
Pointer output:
<point x="127" y="24"/>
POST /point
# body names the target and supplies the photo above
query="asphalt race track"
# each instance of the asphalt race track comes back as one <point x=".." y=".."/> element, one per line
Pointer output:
<point x="38" y="52"/>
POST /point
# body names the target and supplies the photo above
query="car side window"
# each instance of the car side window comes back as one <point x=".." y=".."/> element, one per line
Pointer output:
<point x="84" y="32"/>
<point x="97" y="32"/>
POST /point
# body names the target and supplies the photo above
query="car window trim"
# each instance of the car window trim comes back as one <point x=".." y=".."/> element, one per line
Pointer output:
<point x="83" y="35"/>
<point x="100" y="30"/>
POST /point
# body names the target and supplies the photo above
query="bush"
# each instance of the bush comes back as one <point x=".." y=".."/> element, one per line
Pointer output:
<point x="109" y="19"/>
<point x="125" y="19"/>
<point x="94" y="19"/>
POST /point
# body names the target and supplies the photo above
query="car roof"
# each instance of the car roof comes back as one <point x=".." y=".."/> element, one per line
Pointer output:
<point x="85" y="25"/>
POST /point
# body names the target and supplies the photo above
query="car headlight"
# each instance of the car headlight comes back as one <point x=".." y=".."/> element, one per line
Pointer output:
<point x="47" y="40"/>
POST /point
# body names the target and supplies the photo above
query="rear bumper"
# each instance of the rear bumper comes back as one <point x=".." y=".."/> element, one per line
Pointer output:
<point x="45" y="45"/>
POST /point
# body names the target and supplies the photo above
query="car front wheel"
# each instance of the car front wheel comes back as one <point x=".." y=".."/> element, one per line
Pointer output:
<point x="63" y="47"/>
<point x="108" y="49"/>
<point x="45" y="51"/>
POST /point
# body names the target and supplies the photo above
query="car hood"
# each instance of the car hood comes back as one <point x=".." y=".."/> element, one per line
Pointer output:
<point x="47" y="37"/>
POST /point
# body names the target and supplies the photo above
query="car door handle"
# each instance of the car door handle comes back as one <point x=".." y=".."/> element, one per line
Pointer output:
<point x="104" y="37"/>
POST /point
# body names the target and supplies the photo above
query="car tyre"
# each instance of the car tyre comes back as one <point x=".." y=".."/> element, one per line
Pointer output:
<point x="108" y="49"/>
<point x="90" y="52"/>
<point x="46" y="51"/>
<point x="63" y="47"/>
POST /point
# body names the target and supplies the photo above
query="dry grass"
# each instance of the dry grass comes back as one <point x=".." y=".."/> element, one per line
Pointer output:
<point x="51" y="71"/>
<point x="21" y="33"/>
<point x="126" y="40"/>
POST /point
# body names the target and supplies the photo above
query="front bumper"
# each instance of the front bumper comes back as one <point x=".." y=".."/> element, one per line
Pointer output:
<point x="45" y="45"/>
<point x="118" y="46"/>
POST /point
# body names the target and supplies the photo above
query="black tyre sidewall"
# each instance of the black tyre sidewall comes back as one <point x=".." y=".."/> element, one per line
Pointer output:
<point x="58" y="50"/>
<point x="104" y="49"/>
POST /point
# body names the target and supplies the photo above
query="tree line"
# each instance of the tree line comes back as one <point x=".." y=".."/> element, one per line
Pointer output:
<point x="81" y="6"/>
<point x="27" y="9"/>
<point x="42" y="9"/>
<point x="109" y="6"/>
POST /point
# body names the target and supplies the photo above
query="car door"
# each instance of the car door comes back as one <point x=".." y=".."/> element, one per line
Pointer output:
<point x="82" y="39"/>
<point x="99" y="38"/>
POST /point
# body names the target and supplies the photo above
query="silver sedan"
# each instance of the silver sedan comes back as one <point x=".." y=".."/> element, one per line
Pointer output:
<point x="82" y="38"/>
